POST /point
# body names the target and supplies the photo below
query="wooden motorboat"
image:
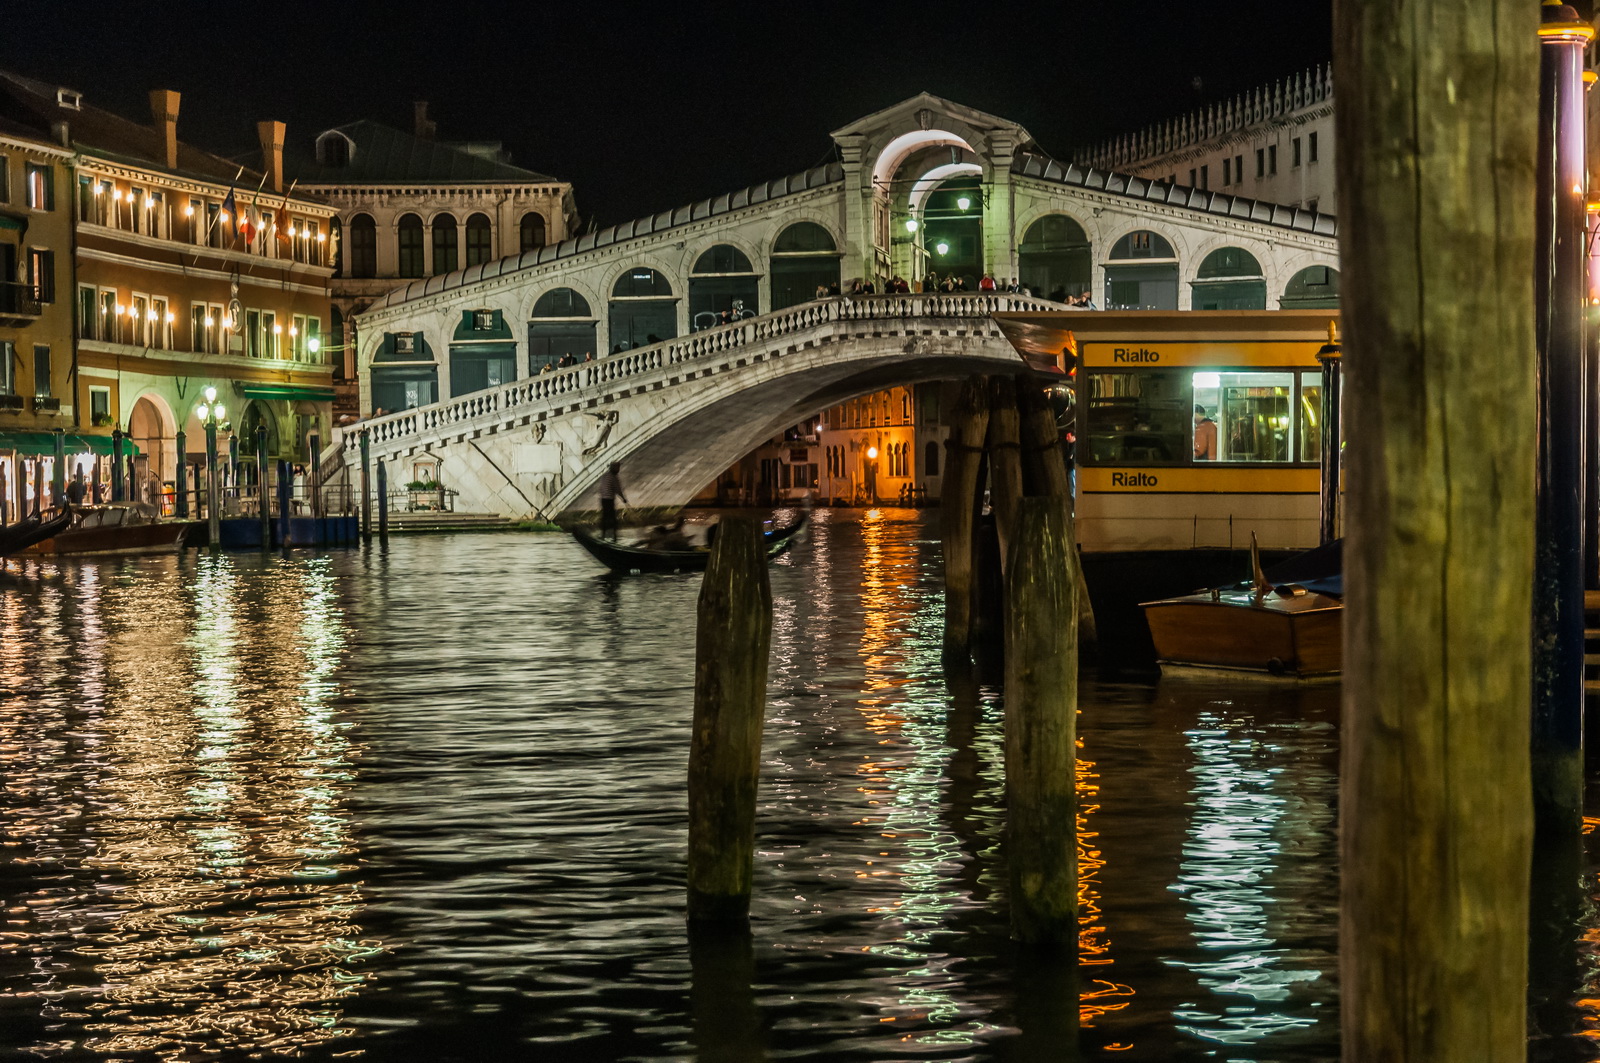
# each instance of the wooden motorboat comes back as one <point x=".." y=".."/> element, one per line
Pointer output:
<point x="1262" y="626"/>
<point x="637" y="557"/>
<point x="115" y="528"/>
<point x="25" y="533"/>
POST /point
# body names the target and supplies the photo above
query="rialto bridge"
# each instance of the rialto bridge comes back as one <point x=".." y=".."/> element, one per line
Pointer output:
<point x="707" y="332"/>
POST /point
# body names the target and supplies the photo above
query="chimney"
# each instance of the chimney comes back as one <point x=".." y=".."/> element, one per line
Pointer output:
<point x="271" y="134"/>
<point x="424" y="125"/>
<point x="164" y="115"/>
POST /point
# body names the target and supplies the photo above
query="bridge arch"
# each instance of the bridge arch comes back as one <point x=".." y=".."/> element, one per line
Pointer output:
<point x="1227" y="276"/>
<point x="561" y="322"/>
<point x="723" y="277"/>
<point x="1141" y="269"/>
<point x="642" y="308"/>
<point x="1055" y="254"/>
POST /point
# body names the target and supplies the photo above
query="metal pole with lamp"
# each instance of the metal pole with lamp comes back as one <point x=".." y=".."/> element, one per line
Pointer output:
<point x="211" y="412"/>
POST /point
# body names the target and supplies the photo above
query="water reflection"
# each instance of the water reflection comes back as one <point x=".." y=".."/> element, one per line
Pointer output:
<point x="208" y="901"/>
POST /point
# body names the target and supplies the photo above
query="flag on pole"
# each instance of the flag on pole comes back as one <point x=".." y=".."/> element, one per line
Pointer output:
<point x="285" y="226"/>
<point x="230" y="211"/>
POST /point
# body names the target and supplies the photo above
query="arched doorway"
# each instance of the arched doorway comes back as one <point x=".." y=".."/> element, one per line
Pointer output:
<point x="483" y="353"/>
<point x="256" y="415"/>
<point x="722" y="286"/>
<point x="1142" y="273"/>
<point x="804" y="258"/>
<point x="951" y="232"/>
<point x="1313" y="288"/>
<point x="643" y="309"/>
<point x="1053" y="260"/>
<point x="1230" y="278"/>
<point x="154" y="433"/>
<point x="560" y="325"/>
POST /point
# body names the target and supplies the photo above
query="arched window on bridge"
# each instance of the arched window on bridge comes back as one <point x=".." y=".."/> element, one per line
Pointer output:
<point x="363" y="246"/>
<point x="1142" y="273"/>
<point x="483" y="353"/>
<point x="643" y="309"/>
<point x="804" y="257"/>
<point x="446" y="245"/>
<point x="1053" y="260"/>
<point x="412" y="262"/>
<point x="404" y="372"/>
<point x="480" y="240"/>
<point x="561" y="324"/>
<point x="532" y="230"/>
<point x="1313" y="288"/>
<point x="722" y="286"/>
<point x="1230" y="278"/>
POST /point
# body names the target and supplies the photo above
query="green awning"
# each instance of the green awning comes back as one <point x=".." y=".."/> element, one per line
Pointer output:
<point x="44" y="443"/>
<point x="307" y="392"/>
<point x="8" y="222"/>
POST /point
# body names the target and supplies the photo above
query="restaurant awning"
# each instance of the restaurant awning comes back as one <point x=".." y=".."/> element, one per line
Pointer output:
<point x="307" y="392"/>
<point x="44" y="443"/>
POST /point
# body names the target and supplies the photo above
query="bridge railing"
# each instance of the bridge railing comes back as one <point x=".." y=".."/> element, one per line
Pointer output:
<point x="611" y="369"/>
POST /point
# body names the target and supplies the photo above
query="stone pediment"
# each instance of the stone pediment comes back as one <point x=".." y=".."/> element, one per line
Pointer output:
<point x="926" y="111"/>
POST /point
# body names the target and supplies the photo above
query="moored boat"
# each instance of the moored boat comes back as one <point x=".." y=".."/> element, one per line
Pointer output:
<point x="636" y="558"/>
<point x="1271" y="627"/>
<point x="114" y="528"/>
<point x="17" y="537"/>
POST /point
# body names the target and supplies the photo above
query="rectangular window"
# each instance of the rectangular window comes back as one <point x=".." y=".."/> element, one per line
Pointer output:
<point x="1294" y="151"/>
<point x="1308" y="436"/>
<point x="1205" y="177"/>
<point x="213" y="232"/>
<point x="160" y="324"/>
<point x="139" y="320"/>
<point x="99" y="405"/>
<point x="1238" y="169"/>
<point x="1311" y="147"/>
<point x="1249" y="415"/>
<point x="8" y="365"/>
<point x="138" y="209"/>
<point x="198" y="328"/>
<point x="254" y="344"/>
<point x="1227" y="172"/>
<point x="1191" y="178"/>
<point x="41" y="370"/>
<point x="5" y="180"/>
<point x="270" y="332"/>
<point x="297" y="341"/>
<point x="1272" y="160"/>
<point x="1261" y="163"/>
<point x="482" y="320"/>
<point x="41" y="190"/>
<point x="108" y="324"/>
<point x="313" y="339"/>
<point x="405" y="343"/>
<point x="88" y="312"/>
<point x="42" y="273"/>
<point x="1139" y="417"/>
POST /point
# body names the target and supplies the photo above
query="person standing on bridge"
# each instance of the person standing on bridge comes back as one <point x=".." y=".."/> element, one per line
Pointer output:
<point x="610" y="491"/>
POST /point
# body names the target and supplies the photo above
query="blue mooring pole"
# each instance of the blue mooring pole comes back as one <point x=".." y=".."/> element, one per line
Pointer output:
<point x="1559" y="305"/>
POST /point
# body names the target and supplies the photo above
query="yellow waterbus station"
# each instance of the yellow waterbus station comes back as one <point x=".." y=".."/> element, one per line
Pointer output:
<point x="1194" y="428"/>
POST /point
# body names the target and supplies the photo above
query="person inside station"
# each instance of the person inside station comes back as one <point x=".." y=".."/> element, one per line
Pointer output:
<point x="1205" y="436"/>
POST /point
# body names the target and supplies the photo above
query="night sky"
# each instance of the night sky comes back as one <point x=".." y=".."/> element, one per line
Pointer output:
<point x="646" y="107"/>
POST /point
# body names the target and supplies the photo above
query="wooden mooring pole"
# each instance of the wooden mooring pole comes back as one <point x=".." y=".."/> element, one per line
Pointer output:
<point x="1436" y="147"/>
<point x="1041" y="726"/>
<point x="1005" y="460"/>
<point x="730" y="696"/>
<point x="1044" y="473"/>
<point x="383" y="501"/>
<point x="958" y="513"/>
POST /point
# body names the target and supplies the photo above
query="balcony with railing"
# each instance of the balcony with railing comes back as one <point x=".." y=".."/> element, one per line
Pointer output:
<point x="19" y="303"/>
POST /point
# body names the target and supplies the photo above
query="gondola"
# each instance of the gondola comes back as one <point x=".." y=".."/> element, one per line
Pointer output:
<point x="631" y="559"/>
<point x="34" y="529"/>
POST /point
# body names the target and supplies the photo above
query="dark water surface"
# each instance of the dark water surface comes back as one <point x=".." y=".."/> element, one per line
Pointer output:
<point x="428" y="804"/>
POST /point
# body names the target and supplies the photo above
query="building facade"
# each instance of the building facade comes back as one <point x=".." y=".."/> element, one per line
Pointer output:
<point x="186" y="272"/>
<point x="36" y="338"/>
<point x="1275" y="143"/>
<point x="412" y="206"/>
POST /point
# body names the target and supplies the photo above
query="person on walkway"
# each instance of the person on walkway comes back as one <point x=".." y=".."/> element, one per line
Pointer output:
<point x="610" y="491"/>
<point x="986" y="284"/>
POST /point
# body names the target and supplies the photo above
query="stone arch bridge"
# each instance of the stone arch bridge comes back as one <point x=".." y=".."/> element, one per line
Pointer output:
<point x="678" y="413"/>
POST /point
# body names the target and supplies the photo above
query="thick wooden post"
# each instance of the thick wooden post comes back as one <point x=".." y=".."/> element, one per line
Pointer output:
<point x="730" y="696"/>
<point x="366" y="493"/>
<point x="1044" y="473"/>
<point x="958" y="504"/>
<point x="383" y="501"/>
<point x="263" y="488"/>
<point x="1005" y="460"/>
<point x="1041" y="726"/>
<point x="1436" y="139"/>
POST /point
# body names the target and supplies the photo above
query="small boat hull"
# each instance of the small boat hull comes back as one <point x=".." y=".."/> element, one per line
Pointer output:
<point x="17" y="538"/>
<point x="1299" y="636"/>
<point x="637" y="560"/>
<point x="113" y="529"/>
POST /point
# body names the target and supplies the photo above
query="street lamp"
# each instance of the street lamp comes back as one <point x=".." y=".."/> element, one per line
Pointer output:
<point x="212" y="413"/>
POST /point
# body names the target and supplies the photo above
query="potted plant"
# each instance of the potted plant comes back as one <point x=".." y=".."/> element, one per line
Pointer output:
<point x="425" y="494"/>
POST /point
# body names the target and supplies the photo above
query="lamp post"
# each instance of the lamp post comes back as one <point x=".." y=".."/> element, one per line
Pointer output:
<point x="211" y="413"/>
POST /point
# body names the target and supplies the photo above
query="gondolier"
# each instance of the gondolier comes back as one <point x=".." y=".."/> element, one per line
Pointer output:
<point x="610" y="491"/>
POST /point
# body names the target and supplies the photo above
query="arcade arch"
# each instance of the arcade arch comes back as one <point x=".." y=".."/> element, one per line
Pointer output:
<point x="722" y="282"/>
<point x="1053" y="260"/>
<point x="805" y="257"/>
<point x="560" y="325"/>
<point x="1313" y="288"/>
<point x="643" y="309"/>
<point x="1142" y="273"/>
<point x="1229" y="278"/>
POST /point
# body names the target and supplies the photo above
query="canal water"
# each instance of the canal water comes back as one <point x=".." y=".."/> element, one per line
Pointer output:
<point x="427" y="803"/>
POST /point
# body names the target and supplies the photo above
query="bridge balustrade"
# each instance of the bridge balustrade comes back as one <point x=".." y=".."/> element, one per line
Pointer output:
<point x="625" y="365"/>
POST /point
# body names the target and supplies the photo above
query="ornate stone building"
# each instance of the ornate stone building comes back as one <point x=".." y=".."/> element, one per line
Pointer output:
<point x="412" y="206"/>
